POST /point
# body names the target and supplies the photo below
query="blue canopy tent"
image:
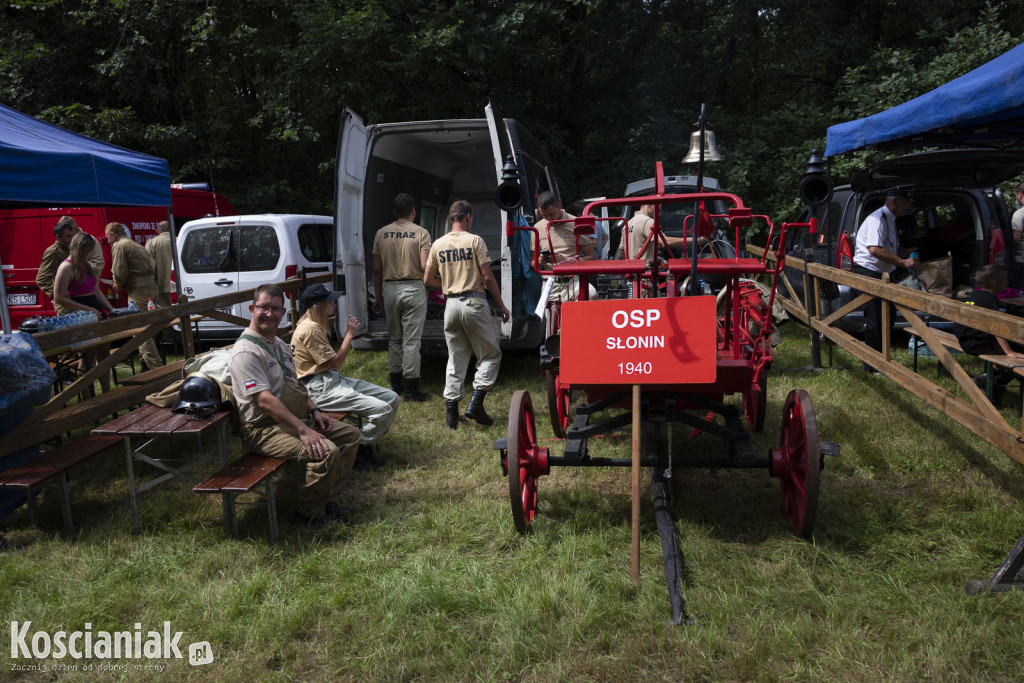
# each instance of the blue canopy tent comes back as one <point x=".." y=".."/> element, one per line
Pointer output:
<point x="43" y="164"/>
<point x="984" y="107"/>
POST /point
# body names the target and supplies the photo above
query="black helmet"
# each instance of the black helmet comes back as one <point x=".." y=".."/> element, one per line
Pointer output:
<point x="198" y="395"/>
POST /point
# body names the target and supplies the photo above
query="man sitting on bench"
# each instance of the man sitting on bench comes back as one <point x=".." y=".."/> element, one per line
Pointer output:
<point x="280" y="421"/>
<point x="991" y="281"/>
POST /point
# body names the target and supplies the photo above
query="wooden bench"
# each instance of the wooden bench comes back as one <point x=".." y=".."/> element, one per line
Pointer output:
<point x="947" y="339"/>
<point x="34" y="474"/>
<point x="245" y="474"/>
<point x="1012" y="364"/>
<point x="242" y="476"/>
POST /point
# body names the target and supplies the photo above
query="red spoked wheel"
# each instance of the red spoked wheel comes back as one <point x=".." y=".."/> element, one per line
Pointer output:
<point x="558" y="403"/>
<point x="754" y="401"/>
<point x="526" y="461"/>
<point x="797" y="463"/>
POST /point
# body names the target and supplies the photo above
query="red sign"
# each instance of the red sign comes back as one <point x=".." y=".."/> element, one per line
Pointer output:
<point x="639" y="341"/>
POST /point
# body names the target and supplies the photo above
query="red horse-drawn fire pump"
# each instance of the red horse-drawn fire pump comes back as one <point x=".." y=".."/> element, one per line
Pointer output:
<point x="689" y="333"/>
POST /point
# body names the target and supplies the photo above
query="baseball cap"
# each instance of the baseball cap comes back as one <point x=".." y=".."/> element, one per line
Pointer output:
<point x="315" y="294"/>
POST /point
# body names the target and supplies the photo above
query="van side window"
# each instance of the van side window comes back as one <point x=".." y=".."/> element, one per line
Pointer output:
<point x="259" y="248"/>
<point x="209" y="250"/>
<point x="316" y="241"/>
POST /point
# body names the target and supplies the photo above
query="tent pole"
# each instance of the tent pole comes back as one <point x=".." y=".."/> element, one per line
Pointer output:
<point x="5" y="314"/>
<point x="187" y="342"/>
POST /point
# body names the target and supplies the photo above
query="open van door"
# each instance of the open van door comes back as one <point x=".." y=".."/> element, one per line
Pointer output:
<point x="349" y="256"/>
<point x="501" y="144"/>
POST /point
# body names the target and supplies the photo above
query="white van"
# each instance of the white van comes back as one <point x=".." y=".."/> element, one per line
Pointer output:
<point x="437" y="162"/>
<point x="234" y="253"/>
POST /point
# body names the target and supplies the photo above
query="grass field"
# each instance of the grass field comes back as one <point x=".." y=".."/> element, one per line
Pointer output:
<point x="432" y="582"/>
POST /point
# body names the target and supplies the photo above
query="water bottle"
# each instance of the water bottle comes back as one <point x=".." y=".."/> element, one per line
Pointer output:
<point x="151" y="306"/>
<point x="913" y="269"/>
<point x="132" y="307"/>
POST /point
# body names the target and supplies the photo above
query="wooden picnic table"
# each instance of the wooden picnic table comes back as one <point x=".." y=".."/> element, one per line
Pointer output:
<point x="142" y="426"/>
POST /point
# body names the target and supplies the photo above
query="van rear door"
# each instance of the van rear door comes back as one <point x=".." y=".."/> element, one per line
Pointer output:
<point x="349" y="256"/>
<point x="501" y="146"/>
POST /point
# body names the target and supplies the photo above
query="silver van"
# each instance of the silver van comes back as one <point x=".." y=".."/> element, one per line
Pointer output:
<point x="437" y="162"/>
<point x="225" y="254"/>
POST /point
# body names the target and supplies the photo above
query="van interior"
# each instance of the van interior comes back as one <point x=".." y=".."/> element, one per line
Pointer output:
<point x="940" y="223"/>
<point x="436" y="167"/>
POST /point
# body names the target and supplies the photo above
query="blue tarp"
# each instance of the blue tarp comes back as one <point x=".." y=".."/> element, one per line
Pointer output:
<point x="44" y="164"/>
<point x="983" y="107"/>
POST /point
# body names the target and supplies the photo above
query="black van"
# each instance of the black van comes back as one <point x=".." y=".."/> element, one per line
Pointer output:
<point x="957" y="210"/>
<point x="436" y="162"/>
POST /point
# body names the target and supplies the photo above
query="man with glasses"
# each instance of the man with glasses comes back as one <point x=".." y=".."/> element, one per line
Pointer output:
<point x="280" y="421"/>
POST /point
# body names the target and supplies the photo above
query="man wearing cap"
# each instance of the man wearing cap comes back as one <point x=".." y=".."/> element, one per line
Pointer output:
<point x="878" y="251"/>
<point x="458" y="263"/>
<point x="132" y="268"/>
<point x="318" y="366"/>
<point x="63" y="231"/>
<point x="279" y="420"/>
<point x="399" y="257"/>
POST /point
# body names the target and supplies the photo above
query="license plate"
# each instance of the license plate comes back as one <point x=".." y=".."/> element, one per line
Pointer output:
<point x="21" y="300"/>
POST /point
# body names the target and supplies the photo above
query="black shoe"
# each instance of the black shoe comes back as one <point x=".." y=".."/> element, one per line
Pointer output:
<point x="980" y="380"/>
<point x="366" y="459"/>
<point x="451" y="418"/>
<point x="335" y="511"/>
<point x="314" y="522"/>
<point x="397" y="383"/>
<point x="475" y="409"/>
<point x="412" y="391"/>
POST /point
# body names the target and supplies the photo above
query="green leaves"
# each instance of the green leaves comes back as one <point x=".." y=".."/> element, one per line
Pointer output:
<point x="256" y="88"/>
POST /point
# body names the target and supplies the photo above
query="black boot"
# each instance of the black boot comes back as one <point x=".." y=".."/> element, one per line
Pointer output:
<point x="475" y="409"/>
<point x="365" y="462"/>
<point x="397" y="385"/>
<point x="412" y="391"/>
<point x="451" y="418"/>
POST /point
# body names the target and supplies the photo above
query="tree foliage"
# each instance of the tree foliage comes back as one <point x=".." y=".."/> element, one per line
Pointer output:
<point x="252" y="92"/>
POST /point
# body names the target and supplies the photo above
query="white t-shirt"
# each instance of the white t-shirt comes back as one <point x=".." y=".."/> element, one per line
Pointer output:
<point x="1017" y="223"/>
<point x="877" y="230"/>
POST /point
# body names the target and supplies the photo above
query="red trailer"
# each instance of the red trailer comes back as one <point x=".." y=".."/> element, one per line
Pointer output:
<point x="692" y="332"/>
<point x="28" y="232"/>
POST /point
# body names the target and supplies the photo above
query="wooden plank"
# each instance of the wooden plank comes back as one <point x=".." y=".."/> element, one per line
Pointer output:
<point x="123" y="422"/>
<point x="255" y="474"/>
<point x="30" y="432"/>
<point x="155" y="373"/>
<point x="47" y="465"/>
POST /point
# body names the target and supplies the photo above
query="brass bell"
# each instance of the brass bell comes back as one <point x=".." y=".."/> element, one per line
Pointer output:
<point x="710" y="149"/>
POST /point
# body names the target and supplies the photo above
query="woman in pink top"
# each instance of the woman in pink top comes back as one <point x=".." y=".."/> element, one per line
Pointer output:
<point x="77" y="287"/>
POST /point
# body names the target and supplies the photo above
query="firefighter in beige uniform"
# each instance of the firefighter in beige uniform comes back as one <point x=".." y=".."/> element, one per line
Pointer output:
<point x="132" y="269"/>
<point x="561" y="241"/>
<point x="458" y="263"/>
<point x="399" y="257"/>
<point x="159" y="247"/>
<point x="278" y="418"/>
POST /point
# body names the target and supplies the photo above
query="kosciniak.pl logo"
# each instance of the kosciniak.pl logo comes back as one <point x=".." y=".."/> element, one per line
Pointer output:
<point x="89" y="644"/>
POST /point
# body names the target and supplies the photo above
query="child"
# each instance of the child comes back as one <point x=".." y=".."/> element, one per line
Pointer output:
<point x="991" y="281"/>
